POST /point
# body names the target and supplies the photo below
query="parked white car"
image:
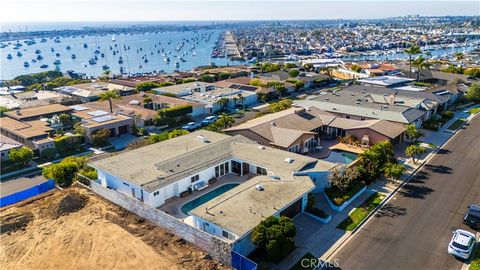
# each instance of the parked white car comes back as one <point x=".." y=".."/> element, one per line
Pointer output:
<point x="462" y="244"/>
<point x="191" y="126"/>
<point x="208" y="120"/>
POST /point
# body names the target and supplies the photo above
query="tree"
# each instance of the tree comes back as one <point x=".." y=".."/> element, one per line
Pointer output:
<point x="207" y="78"/>
<point x="146" y="86"/>
<point x="459" y="56"/>
<point x="421" y="64"/>
<point x="79" y="129"/>
<point x="372" y="162"/>
<point x="105" y="76"/>
<point x="275" y="236"/>
<point x="241" y="99"/>
<point x="225" y="121"/>
<point x="20" y="155"/>
<point x="293" y="73"/>
<point x="393" y="171"/>
<point x="412" y="50"/>
<point x="65" y="120"/>
<point x="3" y="110"/>
<point x="223" y="102"/>
<point x="224" y="76"/>
<point x="413" y="133"/>
<point x="64" y="172"/>
<point x="356" y="68"/>
<point x="280" y="105"/>
<point x="101" y="136"/>
<point x="281" y="90"/>
<point x="109" y="95"/>
<point x="415" y="151"/>
<point x="255" y="82"/>
<point x="473" y="92"/>
<point x="343" y="178"/>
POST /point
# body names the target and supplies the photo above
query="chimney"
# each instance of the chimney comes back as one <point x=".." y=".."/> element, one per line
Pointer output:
<point x="300" y="111"/>
<point x="391" y="99"/>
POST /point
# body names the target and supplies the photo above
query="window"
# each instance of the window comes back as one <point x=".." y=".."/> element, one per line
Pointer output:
<point x="194" y="178"/>
<point x="293" y="149"/>
<point x="156" y="193"/>
<point x="221" y="169"/>
<point x="217" y="171"/>
<point x="261" y="171"/>
<point x="348" y="116"/>
<point x="225" y="234"/>
<point x="363" y="118"/>
<point x="226" y="168"/>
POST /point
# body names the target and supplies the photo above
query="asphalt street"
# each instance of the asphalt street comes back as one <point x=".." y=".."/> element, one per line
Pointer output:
<point x="413" y="229"/>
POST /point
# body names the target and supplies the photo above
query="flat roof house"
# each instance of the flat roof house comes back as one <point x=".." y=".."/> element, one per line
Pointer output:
<point x="91" y="91"/>
<point x="33" y="134"/>
<point x="36" y="113"/>
<point x="93" y="119"/>
<point x="262" y="181"/>
<point x="208" y="94"/>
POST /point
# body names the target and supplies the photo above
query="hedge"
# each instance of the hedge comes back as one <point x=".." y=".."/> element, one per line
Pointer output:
<point x="177" y="111"/>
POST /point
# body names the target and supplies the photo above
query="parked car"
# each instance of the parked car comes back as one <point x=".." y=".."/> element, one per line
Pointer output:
<point x="472" y="217"/>
<point x="462" y="244"/>
<point x="191" y="126"/>
<point x="209" y="120"/>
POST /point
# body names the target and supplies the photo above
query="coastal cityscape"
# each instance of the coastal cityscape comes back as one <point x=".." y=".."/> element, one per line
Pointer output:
<point x="240" y="135"/>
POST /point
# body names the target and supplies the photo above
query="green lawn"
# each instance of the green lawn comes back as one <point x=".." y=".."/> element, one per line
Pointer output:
<point x="475" y="264"/>
<point x="455" y="125"/>
<point x="474" y="110"/>
<point x="312" y="262"/>
<point x="359" y="214"/>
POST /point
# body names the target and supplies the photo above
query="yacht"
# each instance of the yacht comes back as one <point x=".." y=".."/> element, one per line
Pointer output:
<point x="19" y="54"/>
<point x="52" y="49"/>
<point x="57" y="55"/>
<point x="74" y="56"/>
<point x="57" y="62"/>
<point x="105" y="67"/>
<point x="120" y="60"/>
<point x="37" y="51"/>
<point x="44" y="66"/>
<point x="68" y="48"/>
<point x="92" y="61"/>
<point x="34" y="60"/>
<point x="26" y="64"/>
<point x="85" y="45"/>
<point x="9" y="56"/>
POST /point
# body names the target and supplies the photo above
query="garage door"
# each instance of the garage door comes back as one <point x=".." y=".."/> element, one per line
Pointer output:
<point x="293" y="209"/>
<point x="123" y="130"/>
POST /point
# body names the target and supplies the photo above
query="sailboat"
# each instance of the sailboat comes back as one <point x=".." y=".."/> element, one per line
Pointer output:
<point x="113" y="38"/>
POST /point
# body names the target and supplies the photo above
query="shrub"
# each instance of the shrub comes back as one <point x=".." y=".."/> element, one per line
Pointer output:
<point x="49" y="153"/>
<point x="275" y="236"/>
<point x="177" y="111"/>
<point x="20" y="155"/>
<point x="66" y="143"/>
<point x="207" y="78"/>
<point x="448" y="114"/>
<point x="293" y="73"/>
<point x="101" y="136"/>
<point x="147" y="86"/>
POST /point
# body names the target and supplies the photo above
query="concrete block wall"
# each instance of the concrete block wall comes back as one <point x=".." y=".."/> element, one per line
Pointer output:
<point x="218" y="248"/>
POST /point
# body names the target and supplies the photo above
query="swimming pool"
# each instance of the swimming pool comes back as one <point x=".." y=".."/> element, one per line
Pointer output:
<point x="186" y="208"/>
<point x="339" y="156"/>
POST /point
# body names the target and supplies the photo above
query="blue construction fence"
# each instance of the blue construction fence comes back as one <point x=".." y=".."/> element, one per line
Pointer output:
<point x="27" y="193"/>
<point x="240" y="262"/>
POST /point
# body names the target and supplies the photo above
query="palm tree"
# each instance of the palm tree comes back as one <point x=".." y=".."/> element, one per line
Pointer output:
<point x="105" y="76"/>
<point x="421" y="64"/>
<point x="109" y="95"/>
<point x="459" y="56"/>
<point x="226" y="120"/>
<point x="241" y="98"/>
<point x="413" y="50"/>
<point x="428" y="54"/>
<point x="223" y="102"/>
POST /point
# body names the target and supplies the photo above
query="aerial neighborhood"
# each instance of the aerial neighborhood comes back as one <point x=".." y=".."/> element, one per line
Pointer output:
<point x="289" y="153"/>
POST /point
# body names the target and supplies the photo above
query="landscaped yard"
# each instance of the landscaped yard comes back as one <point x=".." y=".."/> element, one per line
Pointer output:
<point x="310" y="265"/>
<point x="474" y="110"/>
<point x="455" y="125"/>
<point x="361" y="212"/>
<point x="338" y="197"/>
<point x="475" y="264"/>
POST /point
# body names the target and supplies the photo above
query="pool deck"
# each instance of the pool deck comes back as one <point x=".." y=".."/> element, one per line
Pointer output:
<point x="173" y="206"/>
<point x="347" y="148"/>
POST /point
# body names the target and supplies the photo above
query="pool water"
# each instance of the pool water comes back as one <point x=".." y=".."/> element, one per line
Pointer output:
<point x="339" y="156"/>
<point x="186" y="208"/>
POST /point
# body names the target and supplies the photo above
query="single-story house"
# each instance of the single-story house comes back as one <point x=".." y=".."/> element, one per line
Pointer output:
<point x="7" y="144"/>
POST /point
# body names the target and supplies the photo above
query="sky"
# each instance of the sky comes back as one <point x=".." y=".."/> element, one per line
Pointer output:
<point x="181" y="10"/>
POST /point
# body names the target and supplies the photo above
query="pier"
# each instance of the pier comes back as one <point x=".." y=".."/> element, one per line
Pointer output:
<point x="231" y="48"/>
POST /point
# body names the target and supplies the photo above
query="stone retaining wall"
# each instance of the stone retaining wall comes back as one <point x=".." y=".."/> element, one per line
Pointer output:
<point x="218" y="248"/>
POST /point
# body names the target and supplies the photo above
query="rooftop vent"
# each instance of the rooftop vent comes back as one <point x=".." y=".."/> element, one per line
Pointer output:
<point x="203" y="138"/>
<point x="259" y="187"/>
<point x="261" y="147"/>
<point x="274" y="124"/>
<point x="288" y="160"/>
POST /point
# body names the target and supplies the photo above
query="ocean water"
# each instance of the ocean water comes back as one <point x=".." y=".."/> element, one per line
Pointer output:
<point x="147" y="45"/>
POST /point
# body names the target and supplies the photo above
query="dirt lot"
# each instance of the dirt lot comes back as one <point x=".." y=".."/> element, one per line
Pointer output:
<point x="74" y="229"/>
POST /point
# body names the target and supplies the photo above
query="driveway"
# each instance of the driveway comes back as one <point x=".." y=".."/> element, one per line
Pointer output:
<point x="122" y="141"/>
<point x="413" y="230"/>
